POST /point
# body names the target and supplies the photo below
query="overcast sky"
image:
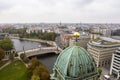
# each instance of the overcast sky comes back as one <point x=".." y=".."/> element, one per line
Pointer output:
<point x="85" y="11"/>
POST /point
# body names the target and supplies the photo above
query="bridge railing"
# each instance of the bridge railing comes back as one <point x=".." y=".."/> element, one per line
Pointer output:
<point x="39" y="49"/>
<point x="41" y="52"/>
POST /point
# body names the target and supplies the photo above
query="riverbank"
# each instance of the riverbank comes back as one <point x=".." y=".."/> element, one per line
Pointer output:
<point x="47" y="59"/>
<point x="50" y="43"/>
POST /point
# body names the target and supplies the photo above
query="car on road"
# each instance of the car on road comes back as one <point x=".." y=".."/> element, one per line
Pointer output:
<point x="106" y="77"/>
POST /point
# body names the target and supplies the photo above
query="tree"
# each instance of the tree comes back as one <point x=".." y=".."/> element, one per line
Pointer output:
<point x="38" y="69"/>
<point x="35" y="77"/>
<point x="6" y="44"/>
<point x="24" y="58"/>
<point x="99" y="71"/>
<point x="11" y="57"/>
<point x="34" y="62"/>
<point x="45" y="75"/>
<point x="42" y="72"/>
<point x="2" y="54"/>
<point x="16" y="55"/>
<point x="20" y="35"/>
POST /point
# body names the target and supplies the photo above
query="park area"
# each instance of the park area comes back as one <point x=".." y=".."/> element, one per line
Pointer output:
<point x="14" y="71"/>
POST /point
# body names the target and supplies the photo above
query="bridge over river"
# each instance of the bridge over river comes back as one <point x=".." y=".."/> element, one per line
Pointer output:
<point x="38" y="51"/>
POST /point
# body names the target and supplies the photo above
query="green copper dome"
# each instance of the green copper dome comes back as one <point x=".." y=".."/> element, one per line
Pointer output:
<point x="75" y="63"/>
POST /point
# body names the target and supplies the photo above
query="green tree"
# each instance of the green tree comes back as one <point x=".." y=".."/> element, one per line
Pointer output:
<point x="99" y="71"/>
<point x="35" y="77"/>
<point x="16" y="55"/>
<point x="24" y="58"/>
<point x="14" y="31"/>
<point x="42" y="72"/>
<point x="34" y="62"/>
<point x="2" y="54"/>
<point x="6" y="44"/>
<point x="11" y="57"/>
<point x="38" y="69"/>
<point x="21" y="35"/>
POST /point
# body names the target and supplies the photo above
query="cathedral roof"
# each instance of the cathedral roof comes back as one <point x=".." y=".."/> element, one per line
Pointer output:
<point x="75" y="63"/>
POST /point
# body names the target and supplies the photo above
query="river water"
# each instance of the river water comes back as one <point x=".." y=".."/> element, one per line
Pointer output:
<point x="47" y="59"/>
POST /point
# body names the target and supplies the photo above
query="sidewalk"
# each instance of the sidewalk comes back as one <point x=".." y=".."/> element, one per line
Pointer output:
<point x="5" y="65"/>
<point x="106" y="71"/>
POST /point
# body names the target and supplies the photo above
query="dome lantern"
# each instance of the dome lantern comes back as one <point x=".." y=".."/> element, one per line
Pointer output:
<point x="76" y="35"/>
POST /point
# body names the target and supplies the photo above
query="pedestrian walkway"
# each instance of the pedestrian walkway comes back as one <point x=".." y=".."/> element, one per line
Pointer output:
<point x="5" y="65"/>
<point x="106" y="71"/>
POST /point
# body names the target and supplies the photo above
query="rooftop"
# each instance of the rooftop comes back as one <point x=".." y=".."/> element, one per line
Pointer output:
<point x="105" y="41"/>
<point x="75" y="63"/>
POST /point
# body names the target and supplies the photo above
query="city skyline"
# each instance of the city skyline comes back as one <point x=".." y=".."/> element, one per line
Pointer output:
<point x="54" y="11"/>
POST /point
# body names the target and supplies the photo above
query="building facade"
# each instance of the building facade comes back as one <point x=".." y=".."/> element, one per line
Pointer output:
<point x="82" y="41"/>
<point x="65" y="38"/>
<point x="8" y="53"/>
<point x="102" y="50"/>
<point x="115" y="64"/>
<point x="4" y="35"/>
<point x="104" y="30"/>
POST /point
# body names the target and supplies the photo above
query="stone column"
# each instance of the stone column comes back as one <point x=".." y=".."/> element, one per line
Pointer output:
<point x="111" y="64"/>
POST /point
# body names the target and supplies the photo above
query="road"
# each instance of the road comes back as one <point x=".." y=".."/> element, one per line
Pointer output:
<point x="58" y="42"/>
<point x="106" y="71"/>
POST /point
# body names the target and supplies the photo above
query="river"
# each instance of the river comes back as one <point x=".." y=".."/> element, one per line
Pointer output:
<point x="47" y="59"/>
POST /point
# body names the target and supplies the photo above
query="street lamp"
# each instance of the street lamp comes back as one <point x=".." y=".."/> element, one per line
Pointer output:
<point x="23" y="49"/>
<point x="76" y="35"/>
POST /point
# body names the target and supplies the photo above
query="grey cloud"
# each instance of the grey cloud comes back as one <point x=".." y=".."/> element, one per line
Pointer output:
<point x="5" y="6"/>
<point x="82" y="2"/>
<point x="64" y="10"/>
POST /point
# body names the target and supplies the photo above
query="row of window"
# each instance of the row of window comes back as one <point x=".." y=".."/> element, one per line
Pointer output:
<point x="116" y="62"/>
<point x="117" y="56"/>
<point x="117" y="59"/>
<point x="115" y="67"/>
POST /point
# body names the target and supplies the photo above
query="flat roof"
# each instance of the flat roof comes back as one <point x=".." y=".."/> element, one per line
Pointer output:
<point x="105" y="41"/>
<point x="109" y="39"/>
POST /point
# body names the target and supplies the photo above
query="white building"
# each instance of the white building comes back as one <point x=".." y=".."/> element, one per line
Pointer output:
<point x="106" y="31"/>
<point x="102" y="49"/>
<point x="33" y="29"/>
<point x="81" y="41"/>
<point x="115" y="65"/>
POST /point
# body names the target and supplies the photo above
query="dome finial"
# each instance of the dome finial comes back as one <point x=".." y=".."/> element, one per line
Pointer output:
<point x="76" y="35"/>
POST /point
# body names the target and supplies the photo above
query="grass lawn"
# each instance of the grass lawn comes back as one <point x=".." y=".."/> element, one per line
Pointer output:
<point x="3" y="62"/>
<point x="14" y="71"/>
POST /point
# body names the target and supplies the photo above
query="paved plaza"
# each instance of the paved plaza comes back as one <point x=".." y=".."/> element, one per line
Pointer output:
<point x="106" y="71"/>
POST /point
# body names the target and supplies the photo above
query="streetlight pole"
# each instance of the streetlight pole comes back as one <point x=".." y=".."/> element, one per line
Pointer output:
<point x="23" y="49"/>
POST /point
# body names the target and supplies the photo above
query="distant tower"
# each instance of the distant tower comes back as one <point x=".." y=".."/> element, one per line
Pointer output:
<point x="60" y="23"/>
